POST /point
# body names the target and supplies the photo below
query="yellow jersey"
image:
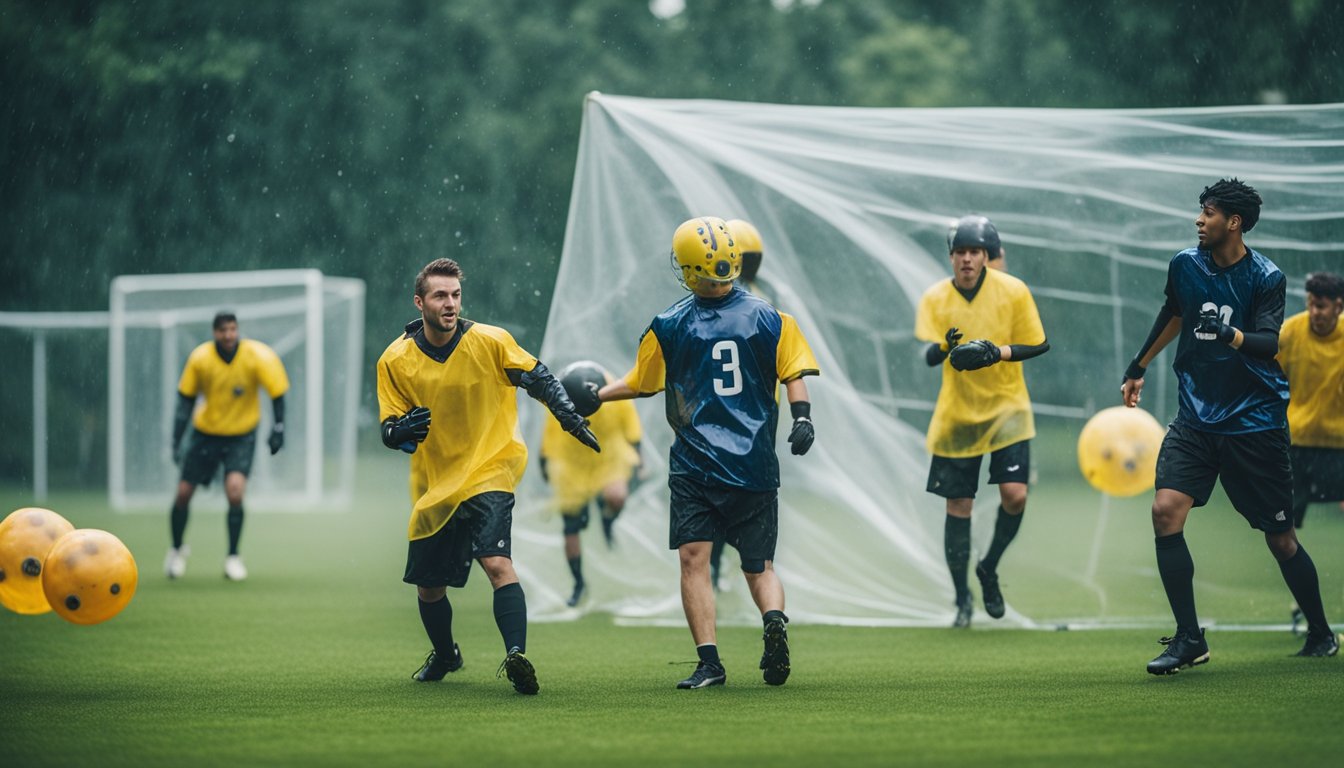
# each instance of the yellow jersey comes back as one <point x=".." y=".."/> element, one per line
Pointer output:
<point x="576" y="473"/>
<point x="1315" y="368"/>
<point x="981" y="411"/>
<point x="232" y="406"/>
<point x="473" y="445"/>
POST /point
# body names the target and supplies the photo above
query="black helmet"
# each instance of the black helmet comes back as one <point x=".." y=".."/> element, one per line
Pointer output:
<point x="581" y="381"/>
<point x="974" y="232"/>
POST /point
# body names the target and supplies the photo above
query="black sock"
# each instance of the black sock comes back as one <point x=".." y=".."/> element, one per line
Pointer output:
<point x="957" y="548"/>
<point x="770" y="616"/>
<point x="1005" y="530"/>
<point x="235" y="527"/>
<point x="1177" y="569"/>
<point x="178" y="522"/>
<point x="1299" y="572"/>
<point x="511" y="616"/>
<point x="576" y="568"/>
<point x="709" y="654"/>
<point x="438" y="620"/>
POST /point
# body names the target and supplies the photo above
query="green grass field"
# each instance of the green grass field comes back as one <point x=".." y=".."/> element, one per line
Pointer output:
<point x="309" y="662"/>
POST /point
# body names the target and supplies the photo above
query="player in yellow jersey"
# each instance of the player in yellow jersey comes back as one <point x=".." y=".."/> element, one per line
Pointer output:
<point x="227" y="374"/>
<point x="1311" y="353"/>
<point x="577" y="476"/>
<point x="982" y="407"/>
<point x="464" y="471"/>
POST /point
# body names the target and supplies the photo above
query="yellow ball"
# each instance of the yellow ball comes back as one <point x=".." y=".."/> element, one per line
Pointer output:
<point x="89" y="576"/>
<point x="1117" y="450"/>
<point x="26" y="536"/>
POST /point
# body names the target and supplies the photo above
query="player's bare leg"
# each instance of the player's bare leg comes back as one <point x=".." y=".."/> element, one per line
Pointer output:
<point x="613" y="502"/>
<point x="957" y="550"/>
<point x="768" y="593"/>
<point x="697" y="600"/>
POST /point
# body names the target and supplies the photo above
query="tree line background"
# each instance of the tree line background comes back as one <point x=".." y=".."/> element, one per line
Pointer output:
<point x="366" y="138"/>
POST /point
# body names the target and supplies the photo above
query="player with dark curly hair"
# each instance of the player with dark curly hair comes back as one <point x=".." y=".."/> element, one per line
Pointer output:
<point x="1225" y="302"/>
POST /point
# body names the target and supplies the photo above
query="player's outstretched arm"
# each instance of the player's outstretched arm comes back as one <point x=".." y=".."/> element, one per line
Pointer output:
<point x="180" y="418"/>
<point x="803" y="433"/>
<point x="407" y="432"/>
<point x="541" y="385"/>
<point x="616" y="390"/>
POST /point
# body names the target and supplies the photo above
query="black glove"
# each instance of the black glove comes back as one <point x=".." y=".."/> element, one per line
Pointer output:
<point x="1210" y="327"/>
<point x="803" y="433"/>
<point x="277" y="438"/>
<point x="974" y="355"/>
<point x="407" y="432"/>
<point x="576" y="425"/>
<point x="953" y="338"/>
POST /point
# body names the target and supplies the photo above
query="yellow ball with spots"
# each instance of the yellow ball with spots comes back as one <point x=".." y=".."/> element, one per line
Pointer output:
<point x="26" y="536"/>
<point x="90" y="576"/>
<point x="1117" y="450"/>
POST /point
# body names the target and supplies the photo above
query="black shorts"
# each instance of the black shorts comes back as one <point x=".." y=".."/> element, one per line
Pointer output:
<point x="1318" y="474"/>
<point x="575" y="521"/>
<point x="205" y="453"/>
<point x="749" y="520"/>
<point x="1254" y="467"/>
<point x="481" y="527"/>
<point x="960" y="478"/>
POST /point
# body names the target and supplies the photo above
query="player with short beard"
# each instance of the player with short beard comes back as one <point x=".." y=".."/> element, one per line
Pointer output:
<point x="1225" y="303"/>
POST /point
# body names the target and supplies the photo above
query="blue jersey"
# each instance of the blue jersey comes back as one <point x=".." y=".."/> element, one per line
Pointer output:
<point x="1222" y="390"/>
<point x="721" y="361"/>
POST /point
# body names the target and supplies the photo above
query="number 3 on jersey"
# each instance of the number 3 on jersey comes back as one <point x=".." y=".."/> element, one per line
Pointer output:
<point x="725" y="352"/>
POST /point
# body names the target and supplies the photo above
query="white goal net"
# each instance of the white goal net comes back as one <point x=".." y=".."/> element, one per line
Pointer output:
<point x="314" y="322"/>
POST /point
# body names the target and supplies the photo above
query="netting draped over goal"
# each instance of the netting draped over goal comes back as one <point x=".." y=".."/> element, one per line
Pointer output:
<point x="853" y="206"/>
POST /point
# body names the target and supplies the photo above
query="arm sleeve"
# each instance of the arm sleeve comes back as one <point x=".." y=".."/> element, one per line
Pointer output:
<point x="278" y="408"/>
<point x="1164" y="316"/>
<point x="794" y="358"/>
<point x="1262" y="341"/>
<point x="650" y="372"/>
<point x="1027" y="351"/>
<point x="934" y="354"/>
<point x="181" y="416"/>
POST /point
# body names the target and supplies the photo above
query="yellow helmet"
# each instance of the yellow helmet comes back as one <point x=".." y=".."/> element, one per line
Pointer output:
<point x="748" y="239"/>
<point x="704" y="249"/>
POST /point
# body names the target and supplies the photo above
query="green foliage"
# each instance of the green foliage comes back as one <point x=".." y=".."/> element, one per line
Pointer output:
<point x="364" y="139"/>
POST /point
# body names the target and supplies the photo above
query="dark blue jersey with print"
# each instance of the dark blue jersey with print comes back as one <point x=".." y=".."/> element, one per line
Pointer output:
<point x="1221" y="389"/>
<point x="721" y="375"/>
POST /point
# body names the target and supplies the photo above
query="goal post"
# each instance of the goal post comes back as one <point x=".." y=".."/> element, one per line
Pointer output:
<point x="314" y="323"/>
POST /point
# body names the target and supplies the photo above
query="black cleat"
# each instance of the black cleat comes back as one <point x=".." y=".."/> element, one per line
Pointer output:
<point x="705" y="675"/>
<point x="520" y="672"/>
<point x="1183" y="650"/>
<point x="775" y="660"/>
<point x="573" y="600"/>
<point x="435" y="668"/>
<point x="989" y="584"/>
<point x="965" y="607"/>
<point x="1320" y="644"/>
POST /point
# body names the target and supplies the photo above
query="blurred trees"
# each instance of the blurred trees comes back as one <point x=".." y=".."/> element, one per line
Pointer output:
<point x="364" y="139"/>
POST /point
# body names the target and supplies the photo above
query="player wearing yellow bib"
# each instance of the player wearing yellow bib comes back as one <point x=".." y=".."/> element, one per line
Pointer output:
<point x="227" y="374"/>
<point x="578" y="476"/>
<point x="982" y="407"/>
<point x="463" y="473"/>
<point x="1311" y="353"/>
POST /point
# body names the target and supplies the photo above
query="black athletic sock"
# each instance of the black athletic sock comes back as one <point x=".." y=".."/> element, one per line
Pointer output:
<point x="1005" y="530"/>
<point x="1299" y="572"/>
<point x="1177" y="569"/>
<point x="178" y="522"/>
<point x="576" y="568"/>
<point x="235" y="527"/>
<point x="438" y="620"/>
<point x="957" y="548"/>
<point x="511" y="616"/>
<point x="709" y="654"/>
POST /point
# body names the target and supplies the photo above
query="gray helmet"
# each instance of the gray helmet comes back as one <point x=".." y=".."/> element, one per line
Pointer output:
<point x="974" y="232"/>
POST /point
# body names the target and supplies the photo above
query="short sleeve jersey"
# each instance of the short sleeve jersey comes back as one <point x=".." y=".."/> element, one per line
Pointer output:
<point x="1222" y="390"/>
<point x="984" y="410"/>
<point x="232" y="406"/>
<point x="1314" y="366"/>
<point x="473" y="444"/>
<point x="576" y="473"/>
<point x="720" y="361"/>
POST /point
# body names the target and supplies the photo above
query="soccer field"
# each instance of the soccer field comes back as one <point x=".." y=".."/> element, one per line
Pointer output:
<point x="309" y="662"/>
